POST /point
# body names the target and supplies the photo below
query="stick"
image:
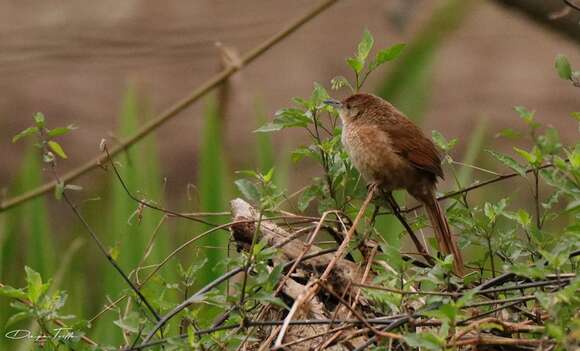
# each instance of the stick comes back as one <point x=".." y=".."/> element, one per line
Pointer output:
<point x="176" y="108"/>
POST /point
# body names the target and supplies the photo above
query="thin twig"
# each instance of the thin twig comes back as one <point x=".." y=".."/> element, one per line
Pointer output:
<point x="474" y="186"/>
<point x="397" y="212"/>
<point x="110" y="258"/>
<point x="313" y="287"/>
<point x="145" y="203"/>
<point x="358" y="315"/>
<point x="176" y="108"/>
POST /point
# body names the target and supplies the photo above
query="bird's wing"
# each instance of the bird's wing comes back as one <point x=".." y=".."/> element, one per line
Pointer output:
<point x="410" y="143"/>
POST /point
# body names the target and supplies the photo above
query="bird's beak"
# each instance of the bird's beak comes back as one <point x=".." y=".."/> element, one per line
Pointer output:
<point x="334" y="103"/>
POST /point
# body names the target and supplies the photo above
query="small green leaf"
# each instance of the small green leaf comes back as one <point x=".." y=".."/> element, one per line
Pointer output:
<point x="426" y="340"/>
<point x="267" y="298"/>
<point x="15" y="318"/>
<point x="442" y="142"/>
<point x="35" y="287"/>
<point x="319" y="94"/>
<point x="8" y="291"/>
<point x="274" y="277"/>
<point x="389" y="54"/>
<point x="248" y="189"/>
<point x="508" y="161"/>
<point x="575" y="115"/>
<point x="268" y="176"/>
<point x="355" y="63"/>
<point x="269" y="127"/>
<point x="308" y="196"/>
<point x="509" y="133"/>
<point x="130" y="324"/>
<point x="60" y="131"/>
<point x="39" y="119"/>
<point x="524" y="218"/>
<point x="302" y="152"/>
<point x="573" y="206"/>
<point x="530" y="157"/>
<point x="365" y="46"/>
<point x="287" y="118"/>
<point x="114" y="252"/>
<point x="549" y="142"/>
<point x="54" y="146"/>
<point x="527" y="116"/>
<point x="26" y="132"/>
<point x="563" y="67"/>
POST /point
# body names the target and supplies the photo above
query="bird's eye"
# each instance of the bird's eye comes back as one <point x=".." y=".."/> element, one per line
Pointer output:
<point x="347" y="106"/>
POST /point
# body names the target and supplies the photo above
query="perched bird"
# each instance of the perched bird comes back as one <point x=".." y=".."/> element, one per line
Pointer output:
<point x="392" y="152"/>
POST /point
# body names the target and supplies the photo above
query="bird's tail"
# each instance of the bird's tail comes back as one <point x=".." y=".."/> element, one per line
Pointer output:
<point x="447" y="243"/>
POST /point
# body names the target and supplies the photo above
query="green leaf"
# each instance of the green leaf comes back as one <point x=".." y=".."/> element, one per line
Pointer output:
<point x="492" y="211"/>
<point x="308" y="196"/>
<point x="26" y="132"/>
<point x="267" y="298"/>
<point x="447" y="312"/>
<point x="389" y="54"/>
<point x="355" y="63"/>
<point x="365" y="46"/>
<point x="302" y="152"/>
<point x="573" y="206"/>
<point x="130" y="324"/>
<point x="268" y="176"/>
<point x="393" y="256"/>
<point x="273" y="277"/>
<point x="39" y="119"/>
<point x="319" y="94"/>
<point x="549" y="142"/>
<point x="524" y="218"/>
<point x="60" y="131"/>
<point x="269" y="127"/>
<point x="527" y="116"/>
<point x="15" y="318"/>
<point x="530" y="157"/>
<point x="8" y="291"/>
<point x="563" y="67"/>
<point x="248" y="189"/>
<point x="427" y="340"/>
<point x="287" y="118"/>
<point x="442" y="142"/>
<point x="508" y="161"/>
<point x="509" y="133"/>
<point x="35" y="287"/>
<point x="114" y="252"/>
<point x="54" y="146"/>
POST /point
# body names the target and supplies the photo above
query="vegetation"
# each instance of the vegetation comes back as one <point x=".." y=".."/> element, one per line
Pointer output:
<point x="522" y="289"/>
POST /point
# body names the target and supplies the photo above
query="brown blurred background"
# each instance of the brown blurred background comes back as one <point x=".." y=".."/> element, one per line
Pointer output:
<point x="73" y="61"/>
<point x="466" y="61"/>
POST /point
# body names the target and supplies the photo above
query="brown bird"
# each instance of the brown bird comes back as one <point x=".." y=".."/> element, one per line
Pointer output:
<point x="392" y="152"/>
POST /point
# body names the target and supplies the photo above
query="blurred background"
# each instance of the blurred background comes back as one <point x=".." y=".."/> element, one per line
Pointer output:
<point x="108" y="66"/>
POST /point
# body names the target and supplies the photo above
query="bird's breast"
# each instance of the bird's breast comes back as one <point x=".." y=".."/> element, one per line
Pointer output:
<point x="371" y="152"/>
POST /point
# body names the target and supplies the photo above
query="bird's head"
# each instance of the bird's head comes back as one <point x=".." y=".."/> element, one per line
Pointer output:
<point x="354" y="106"/>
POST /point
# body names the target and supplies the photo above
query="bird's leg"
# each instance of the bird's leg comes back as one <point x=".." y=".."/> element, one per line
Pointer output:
<point x="397" y="212"/>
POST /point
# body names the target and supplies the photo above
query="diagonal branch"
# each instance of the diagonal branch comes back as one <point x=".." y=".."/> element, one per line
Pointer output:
<point x="175" y="109"/>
